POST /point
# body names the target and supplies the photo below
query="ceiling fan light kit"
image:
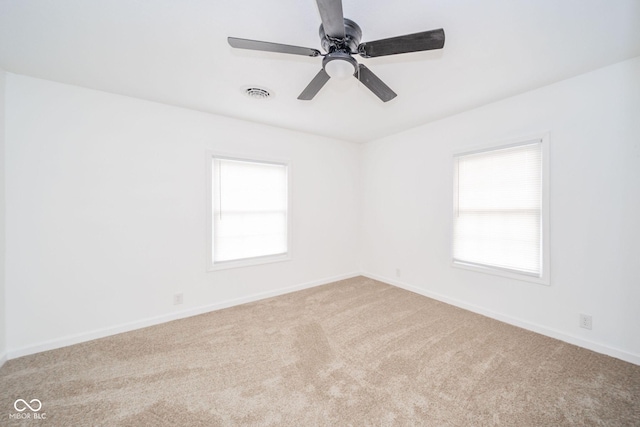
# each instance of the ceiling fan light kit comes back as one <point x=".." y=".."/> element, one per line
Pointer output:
<point x="340" y="65"/>
<point x="340" y="38"/>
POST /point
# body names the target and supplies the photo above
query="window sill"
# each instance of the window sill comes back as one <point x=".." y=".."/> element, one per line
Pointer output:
<point x="544" y="280"/>
<point x="248" y="262"/>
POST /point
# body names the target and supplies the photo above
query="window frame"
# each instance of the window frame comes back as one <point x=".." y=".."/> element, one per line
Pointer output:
<point x="253" y="261"/>
<point x="545" y="277"/>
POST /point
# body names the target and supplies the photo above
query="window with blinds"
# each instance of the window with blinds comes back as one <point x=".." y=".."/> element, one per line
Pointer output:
<point x="249" y="211"/>
<point x="498" y="209"/>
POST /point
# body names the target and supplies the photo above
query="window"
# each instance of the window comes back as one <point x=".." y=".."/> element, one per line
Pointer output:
<point x="500" y="211"/>
<point x="249" y="212"/>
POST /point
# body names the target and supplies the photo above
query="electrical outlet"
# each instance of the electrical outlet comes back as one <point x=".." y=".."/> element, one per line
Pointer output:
<point x="177" y="299"/>
<point x="586" y="321"/>
<point x="397" y="272"/>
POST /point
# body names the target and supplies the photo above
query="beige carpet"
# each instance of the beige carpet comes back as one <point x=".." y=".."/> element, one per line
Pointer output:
<point x="356" y="352"/>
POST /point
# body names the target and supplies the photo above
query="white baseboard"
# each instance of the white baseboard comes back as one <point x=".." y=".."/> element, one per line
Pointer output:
<point x="3" y="359"/>
<point x="562" y="336"/>
<point x="143" y="323"/>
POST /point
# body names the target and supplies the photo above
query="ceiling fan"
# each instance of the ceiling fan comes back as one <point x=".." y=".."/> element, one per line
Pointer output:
<point x="340" y="38"/>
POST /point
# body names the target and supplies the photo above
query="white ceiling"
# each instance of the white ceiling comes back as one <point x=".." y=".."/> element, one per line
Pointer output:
<point x="175" y="52"/>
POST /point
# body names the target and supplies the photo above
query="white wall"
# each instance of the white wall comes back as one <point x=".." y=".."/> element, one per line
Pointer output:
<point x="594" y="125"/>
<point x="106" y="212"/>
<point x="3" y="305"/>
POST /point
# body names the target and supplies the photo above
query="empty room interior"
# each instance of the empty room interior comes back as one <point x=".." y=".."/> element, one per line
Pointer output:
<point x="320" y="212"/>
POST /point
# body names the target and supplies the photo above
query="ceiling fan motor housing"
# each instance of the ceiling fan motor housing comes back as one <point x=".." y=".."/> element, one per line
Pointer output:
<point x="351" y="40"/>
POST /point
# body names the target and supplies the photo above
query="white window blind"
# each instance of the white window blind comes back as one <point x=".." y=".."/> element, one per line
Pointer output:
<point x="249" y="209"/>
<point x="497" y="219"/>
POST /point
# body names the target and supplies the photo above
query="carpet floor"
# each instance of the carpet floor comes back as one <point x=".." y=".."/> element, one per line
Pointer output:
<point x="355" y="352"/>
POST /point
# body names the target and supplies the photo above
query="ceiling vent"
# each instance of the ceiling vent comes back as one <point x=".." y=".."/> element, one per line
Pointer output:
<point x="257" y="92"/>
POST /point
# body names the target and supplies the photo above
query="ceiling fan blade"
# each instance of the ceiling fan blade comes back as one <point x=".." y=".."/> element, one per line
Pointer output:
<point x="426" y="40"/>
<point x="314" y="87"/>
<point x="332" y="17"/>
<point x="374" y="84"/>
<point x="271" y="47"/>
